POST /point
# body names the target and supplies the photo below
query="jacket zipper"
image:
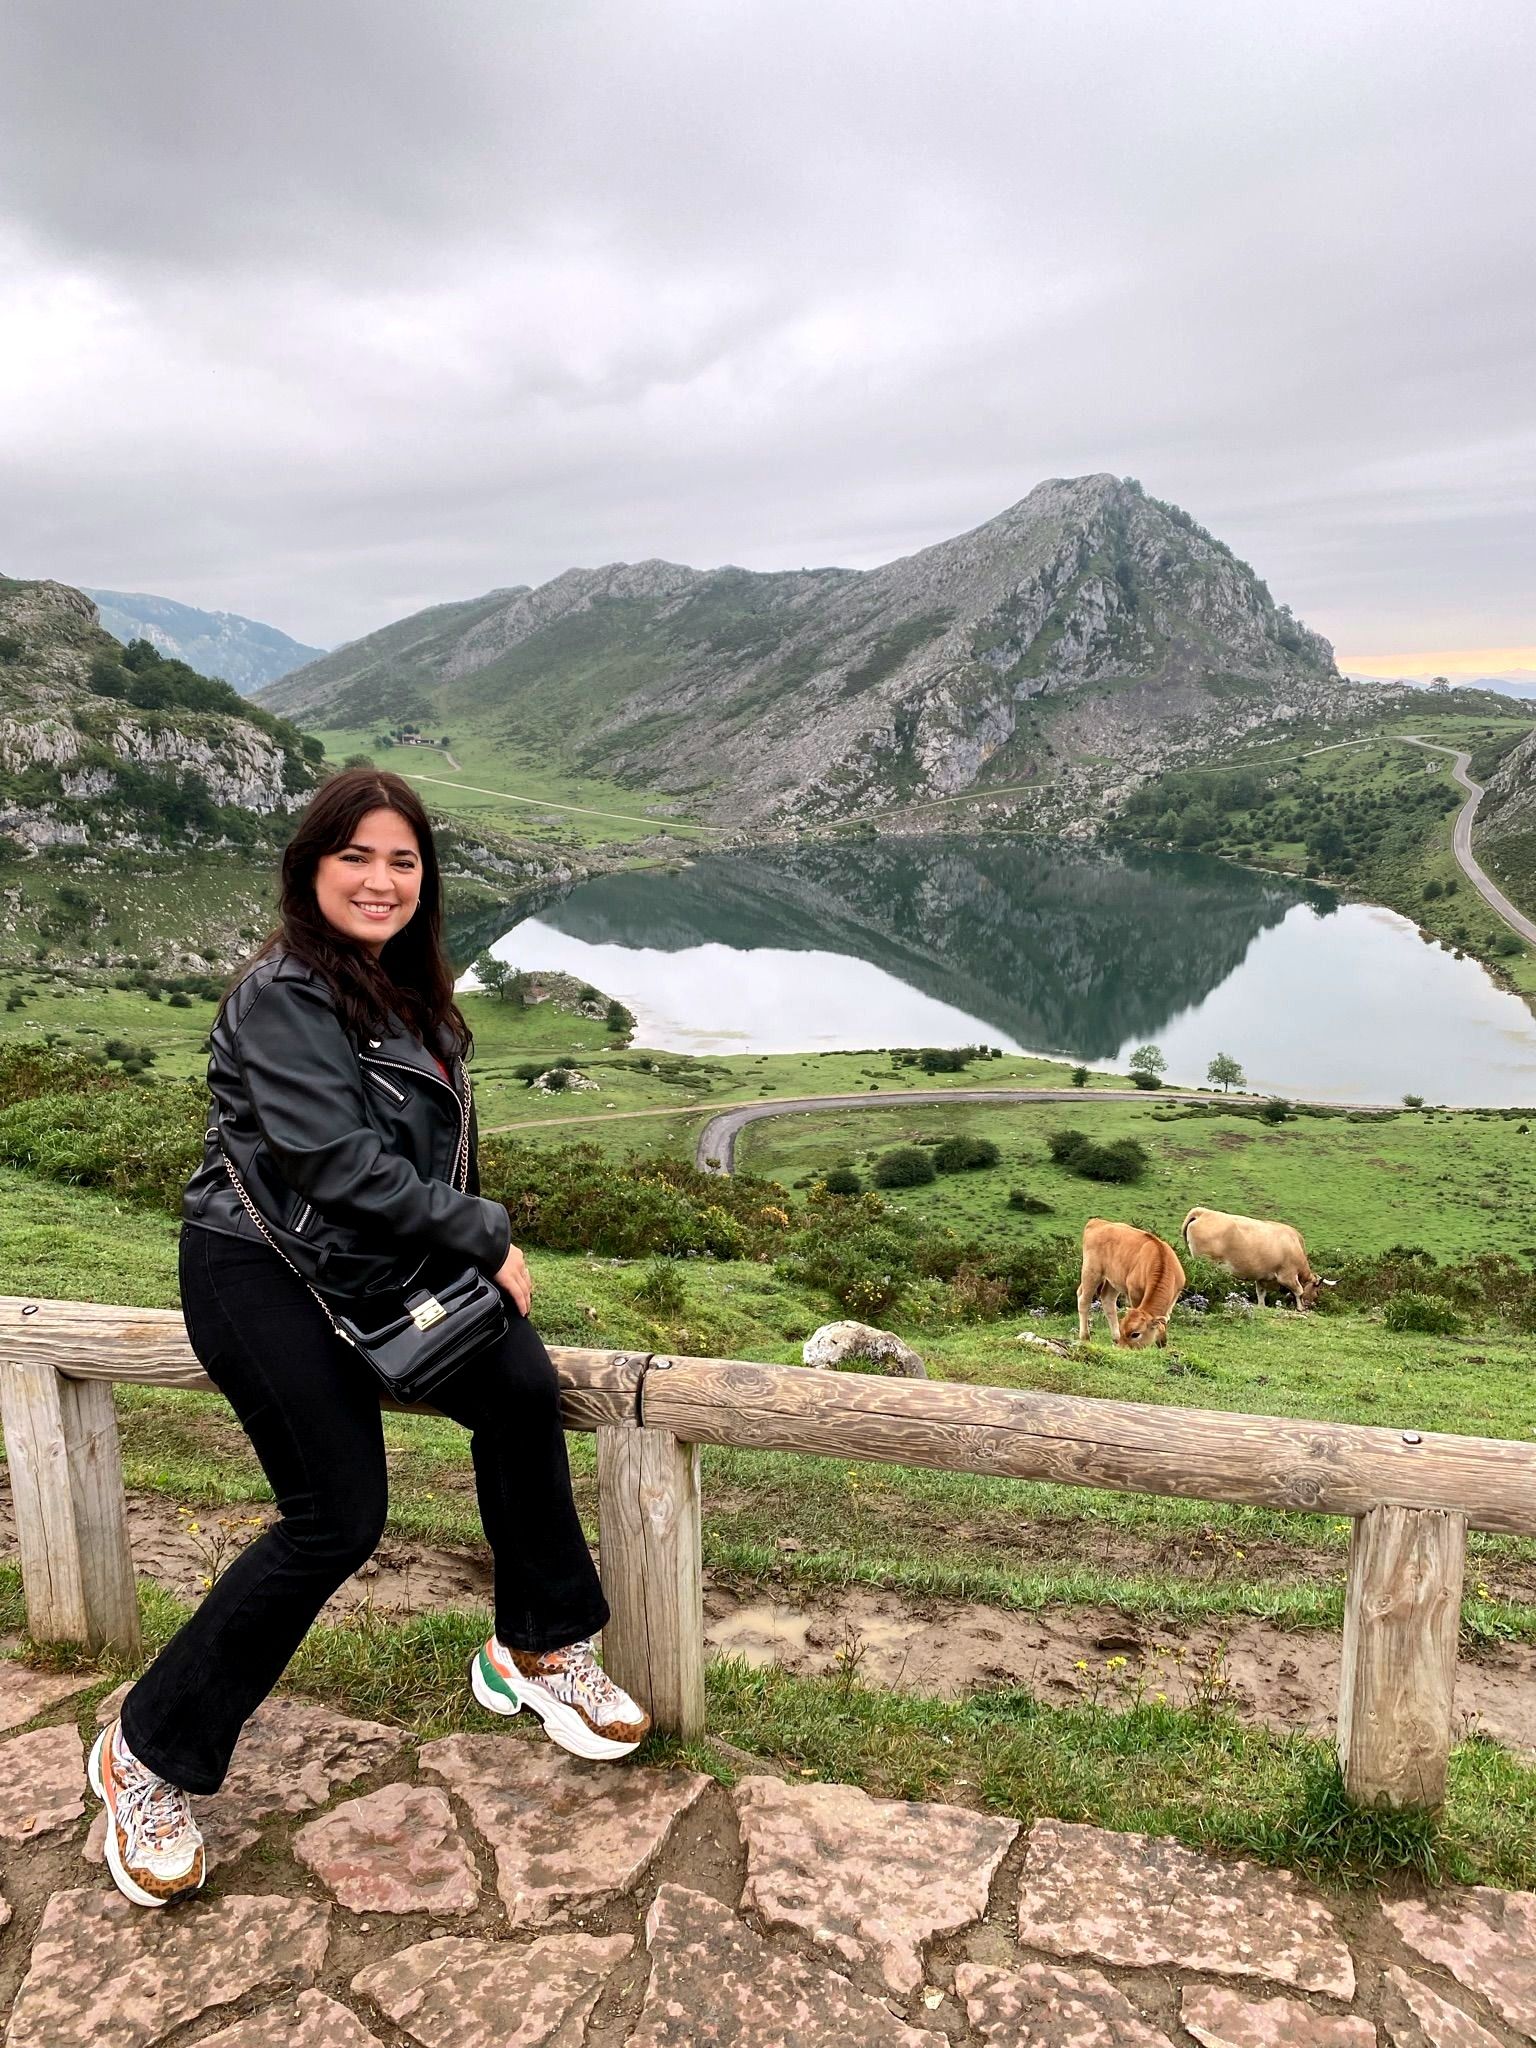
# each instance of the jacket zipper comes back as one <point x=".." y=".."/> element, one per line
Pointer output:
<point x="300" y="1222"/>
<point x="401" y="1067"/>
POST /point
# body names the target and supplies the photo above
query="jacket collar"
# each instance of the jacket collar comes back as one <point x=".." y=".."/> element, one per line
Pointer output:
<point x="397" y="1046"/>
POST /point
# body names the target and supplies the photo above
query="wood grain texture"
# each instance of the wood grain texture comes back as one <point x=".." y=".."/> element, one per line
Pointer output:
<point x="148" y="1347"/>
<point x="71" y="1516"/>
<point x="1402" y="1614"/>
<point x="1320" y="1468"/>
<point x="650" y="1540"/>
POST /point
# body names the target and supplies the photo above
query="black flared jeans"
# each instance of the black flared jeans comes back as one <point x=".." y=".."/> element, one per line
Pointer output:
<point x="311" y="1410"/>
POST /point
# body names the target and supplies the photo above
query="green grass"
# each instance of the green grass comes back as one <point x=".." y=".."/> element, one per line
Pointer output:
<point x="1457" y="1183"/>
<point x="516" y="789"/>
<point x="930" y="1534"/>
<point x="154" y="899"/>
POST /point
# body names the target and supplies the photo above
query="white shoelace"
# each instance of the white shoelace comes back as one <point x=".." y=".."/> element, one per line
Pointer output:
<point x="579" y="1674"/>
<point x="152" y="1810"/>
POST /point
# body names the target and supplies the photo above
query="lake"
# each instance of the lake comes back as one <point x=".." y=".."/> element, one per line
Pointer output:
<point x="1040" y="948"/>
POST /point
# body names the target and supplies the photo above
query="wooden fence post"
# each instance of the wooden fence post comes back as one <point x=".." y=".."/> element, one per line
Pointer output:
<point x="1402" y="1614"/>
<point x="650" y="1543"/>
<point x="71" y="1514"/>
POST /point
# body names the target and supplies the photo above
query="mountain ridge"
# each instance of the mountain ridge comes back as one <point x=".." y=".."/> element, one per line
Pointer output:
<point x="1088" y="632"/>
<point x="245" y="653"/>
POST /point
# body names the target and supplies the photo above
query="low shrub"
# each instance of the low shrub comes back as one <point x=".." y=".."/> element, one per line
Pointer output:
<point x="1276" y="1111"/>
<point x="843" y="1180"/>
<point x="963" y="1155"/>
<point x="1146" y="1081"/>
<point x="28" y="1070"/>
<point x="1120" y="1161"/>
<point x="139" y="1143"/>
<point x="1427" y="1315"/>
<point x="573" y="1198"/>
<point x="1021" y="1198"/>
<point x="904" y="1166"/>
<point x="660" y="1288"/>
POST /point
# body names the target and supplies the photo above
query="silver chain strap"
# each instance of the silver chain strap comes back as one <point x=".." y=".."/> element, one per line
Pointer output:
<point x="256" y="1217"/>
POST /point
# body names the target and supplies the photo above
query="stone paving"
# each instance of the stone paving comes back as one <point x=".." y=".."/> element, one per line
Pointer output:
<point x="486" y="1891"/>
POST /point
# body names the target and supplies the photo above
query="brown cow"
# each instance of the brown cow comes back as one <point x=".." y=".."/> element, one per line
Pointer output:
<point x="1119" y="1259"/>
<point x="1268" y="1254"/>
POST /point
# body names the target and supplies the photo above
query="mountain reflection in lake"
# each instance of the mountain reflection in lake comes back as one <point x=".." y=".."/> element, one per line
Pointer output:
<point x="1042" y="949"/>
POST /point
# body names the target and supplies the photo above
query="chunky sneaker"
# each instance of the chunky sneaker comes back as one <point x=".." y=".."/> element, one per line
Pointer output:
<point x="581" y="1707"/>
<point x="154" y="1849"/>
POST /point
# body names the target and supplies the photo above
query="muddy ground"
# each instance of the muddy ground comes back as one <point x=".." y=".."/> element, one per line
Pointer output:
<point x="1281" y="1678"/>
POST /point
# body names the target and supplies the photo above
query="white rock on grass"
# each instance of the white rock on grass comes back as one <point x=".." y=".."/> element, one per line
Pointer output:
<point x="835" y="1343"/>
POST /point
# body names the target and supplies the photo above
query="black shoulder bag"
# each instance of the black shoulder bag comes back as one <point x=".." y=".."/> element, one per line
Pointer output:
<point x="414" y="1337"/>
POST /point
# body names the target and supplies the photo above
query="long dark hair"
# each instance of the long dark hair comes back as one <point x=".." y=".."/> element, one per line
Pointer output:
<point x="410" y="976"/>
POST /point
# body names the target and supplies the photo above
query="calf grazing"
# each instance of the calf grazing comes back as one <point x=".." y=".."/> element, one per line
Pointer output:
<point x="1268" y="1254"/>
<point x="1118" y="1259"/>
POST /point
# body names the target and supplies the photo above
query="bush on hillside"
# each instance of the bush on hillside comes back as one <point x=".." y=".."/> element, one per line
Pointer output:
<point x="1145" y="1081"/>
<point x="1031" y="1205"/>
<point x="571" y="1198"/>
<point x="963" y="1155"/>
<point x="904" y="1166"/>
<point x="139" y="1143"/>
<point x="1120" y="1161"/>
<point x="843" y="1180"/>
<point x="28" y="1070"/>
<point x="1276" y="1111"/>
<point x="660" y="1288"/>
<point x="1425" y="1314"/>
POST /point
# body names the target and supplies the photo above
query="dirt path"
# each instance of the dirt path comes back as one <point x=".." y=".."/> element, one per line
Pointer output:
<point x="1270" y="1676"/>
<point x="539" y="803"/>
<point x="1461" y="840"/>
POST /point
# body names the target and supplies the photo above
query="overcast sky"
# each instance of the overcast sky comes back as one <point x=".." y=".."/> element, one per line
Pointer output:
<point x="324" y="310"/>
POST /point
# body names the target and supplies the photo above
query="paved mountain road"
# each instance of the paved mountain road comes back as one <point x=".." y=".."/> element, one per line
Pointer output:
<point x="1462" y="840"/>
<point x="716" y="1149"/>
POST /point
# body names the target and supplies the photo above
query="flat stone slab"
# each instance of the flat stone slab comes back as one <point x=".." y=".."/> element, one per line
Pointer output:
<point x="1485" y="1938"/>
<point x="704" y="1960"/>
<point x="309" y="2021"/>
<point x="1226" y="2019"/>
<point x="452" y="1993"/>
<point x="1041" y="2006"/>
<point x="25" y="1693"/>
<point x="103" y="1971"/>
<point x="565" y="1833"/>
<point x="871" y="1879"/>
<point x="1144" y="1901"/>
<point x="292" y="1756"/>
<point x="42" y="1782"/>
<point x="1432" y="2021"/>
<point x="395" y="1851"/>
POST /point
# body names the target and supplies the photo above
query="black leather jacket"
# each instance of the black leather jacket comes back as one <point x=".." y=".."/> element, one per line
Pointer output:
<point x="360" y="1158"/>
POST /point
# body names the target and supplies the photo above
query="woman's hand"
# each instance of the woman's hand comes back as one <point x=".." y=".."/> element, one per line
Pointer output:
<point x="512" y="1277"/>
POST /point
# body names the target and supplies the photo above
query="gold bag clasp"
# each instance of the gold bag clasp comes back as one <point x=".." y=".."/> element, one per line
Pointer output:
<point x="428" y="1312"/>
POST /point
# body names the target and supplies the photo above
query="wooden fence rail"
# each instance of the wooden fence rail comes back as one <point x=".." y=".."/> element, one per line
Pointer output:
<point x="1412" y="1497"/>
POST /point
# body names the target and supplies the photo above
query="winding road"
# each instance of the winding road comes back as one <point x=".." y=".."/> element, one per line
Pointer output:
<point x="716" y="1149"/>
<point x="1461" y="840"/>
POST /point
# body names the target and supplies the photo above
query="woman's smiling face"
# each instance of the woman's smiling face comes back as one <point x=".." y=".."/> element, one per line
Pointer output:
<point x="369" y="889"/>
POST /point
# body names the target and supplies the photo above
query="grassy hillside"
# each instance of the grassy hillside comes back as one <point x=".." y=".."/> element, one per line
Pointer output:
<point x="1456" y="1184"/>
<point x="508" y="782"/>
<point x="1374" y="816"/>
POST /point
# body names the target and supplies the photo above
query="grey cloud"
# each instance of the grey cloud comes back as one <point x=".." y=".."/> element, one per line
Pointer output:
<point x="321" y="312"/>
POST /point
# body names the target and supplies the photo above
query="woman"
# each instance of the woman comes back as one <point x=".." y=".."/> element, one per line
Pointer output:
<point x="340" y="1100"/>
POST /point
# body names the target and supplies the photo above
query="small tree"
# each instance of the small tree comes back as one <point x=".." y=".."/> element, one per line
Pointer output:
<point x="1224" y="1073"/>
<point x="1146" y="1059"/>
<point x="492" y="974"/>
<point x="1079" y="1077"/>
